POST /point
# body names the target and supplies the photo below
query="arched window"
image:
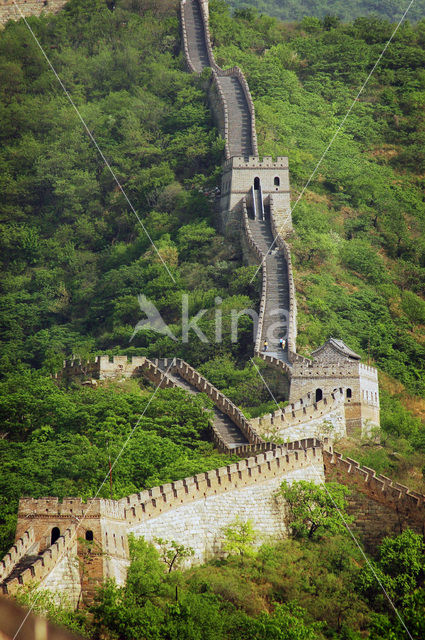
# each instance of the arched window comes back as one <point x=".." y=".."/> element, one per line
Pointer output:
<point x="349" y="393"/>
<point x="89" y="535"/>
<point x="319" y="395"/>
<point x="256" y="183"/>
<point x="277" y="181"/>
<point x="55" y="535"/>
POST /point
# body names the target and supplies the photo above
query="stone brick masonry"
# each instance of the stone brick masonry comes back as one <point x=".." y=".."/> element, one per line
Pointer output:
<point x="8" y="11"/>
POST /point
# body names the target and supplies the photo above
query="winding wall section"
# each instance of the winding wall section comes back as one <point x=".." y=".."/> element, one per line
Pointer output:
<point x="237" y="118"/>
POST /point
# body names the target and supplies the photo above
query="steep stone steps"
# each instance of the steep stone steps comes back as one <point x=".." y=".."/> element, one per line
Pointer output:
<point x="277" y="291"/>
<point x="240" y="134"/>
<point x="229" y="431"/>
<point x="198" y="53"/>
<point x="24" y="563"/>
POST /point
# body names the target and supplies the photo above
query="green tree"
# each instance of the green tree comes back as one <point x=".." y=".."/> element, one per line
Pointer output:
<point x="310" y="507"/>
<point x="240" y="537"/>
<point x="173" y="553"/>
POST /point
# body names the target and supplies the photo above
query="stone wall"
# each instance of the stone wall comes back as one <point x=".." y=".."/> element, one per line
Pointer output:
<point x="200" y="525"/>
<point x="19" y="549"/>
<point x="47" y="563"/>
<point x="195" y="511"/>
<point x="260" y="259"/>
<point x="220" y="400"/>
<point x="106" y="555"/>
<point x="380" y="506"/>
<point x="238" y="177"/>
<point x="280" y="229"/>
<point x="219" y="110"/>
<point x="305" y="419"/>
<point x="64" y="580"/>
<point x="8" y="11"/>
<point x="102" y="367"/>
<point x="362" y="406"/>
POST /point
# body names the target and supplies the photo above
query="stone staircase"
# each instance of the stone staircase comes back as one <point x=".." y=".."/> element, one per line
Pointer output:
<point x="24" y="563"/>
<point x="240" y="136"/>
<point x="240" y="120"/>
<point x="277" y="291"/>
<point x="223" y="425"/>
<point x="196" y="38"/>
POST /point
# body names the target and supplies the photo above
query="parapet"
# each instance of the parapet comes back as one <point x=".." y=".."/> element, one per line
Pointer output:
<point x="8" y="10"/>
<point x="43" y="564"/>
<point x="396" y="496"/>
<point x="259" y="468"/>
<point x="301" y="412"/>
<point x="367" y="370"/>
<point x="16" y="552"/>
<point x="68" y="507"/>
<point x="256" y="162"/>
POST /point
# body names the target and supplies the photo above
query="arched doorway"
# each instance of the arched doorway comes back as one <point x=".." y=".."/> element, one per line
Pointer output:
<point x="89" y="535"/>
<point x="55" y="535"/>
<point x="256" y="183"/>
<point x="277" y="181"/>
<point x="349" y="393"/>
<point x="319" y="395"/>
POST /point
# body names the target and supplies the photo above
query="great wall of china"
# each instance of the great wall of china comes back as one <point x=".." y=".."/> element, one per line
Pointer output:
<point x="9" y="10"/>
<point x="70" y="546"/>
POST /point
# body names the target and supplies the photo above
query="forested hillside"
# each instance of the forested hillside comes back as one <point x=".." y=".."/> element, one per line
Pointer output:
<point x="359" y="245"/>
<point x="290" y="10"/>
<point x="74" y="259"/>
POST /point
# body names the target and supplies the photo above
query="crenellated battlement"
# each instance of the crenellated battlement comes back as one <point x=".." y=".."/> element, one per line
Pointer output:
<point x="256" y="162"/>
<point x="9" y="11"/>
<point x="20" y="548"/>
<point x="260" y="468"/>
<point x="44" y="564"/>
<point x="299" y="413"/>
<point x="73" y="508"/>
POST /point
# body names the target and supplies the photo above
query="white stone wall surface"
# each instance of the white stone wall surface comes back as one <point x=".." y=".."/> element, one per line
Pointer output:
<point x="200" y="524"/>
<point x="64" y="580"/>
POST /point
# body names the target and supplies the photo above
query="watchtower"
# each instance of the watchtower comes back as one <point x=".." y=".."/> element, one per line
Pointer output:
<point x="335" y="365"/>
<point x="100" y="538"/>
<point x="257" y="179"/>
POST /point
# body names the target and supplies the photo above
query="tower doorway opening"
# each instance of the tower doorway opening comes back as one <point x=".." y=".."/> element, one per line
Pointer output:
<point x="256" y="183"/>
<point x="319" y="395"/>
<point x="55" y="535"/>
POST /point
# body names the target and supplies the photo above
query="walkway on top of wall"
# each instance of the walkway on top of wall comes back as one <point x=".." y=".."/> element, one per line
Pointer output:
<point x="277" y="289"/>
<point x="239" y="117"/>
<point x="229" y="431"/>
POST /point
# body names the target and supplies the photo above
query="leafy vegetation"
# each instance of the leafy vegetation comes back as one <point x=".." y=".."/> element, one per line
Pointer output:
<point x="74" y="256"/>
<point x="359" y="226"/>
<point x="312" y="508"/>
<point x="326" y="590"/>
<point x="328" y="9"/>
<point x="75" y="259"/>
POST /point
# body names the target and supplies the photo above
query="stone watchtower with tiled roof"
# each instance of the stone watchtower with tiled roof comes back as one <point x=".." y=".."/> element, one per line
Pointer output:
<point x="336" y="366"/>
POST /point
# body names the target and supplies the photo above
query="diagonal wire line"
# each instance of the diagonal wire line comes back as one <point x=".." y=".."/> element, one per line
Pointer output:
<point x="341" y="124"/>
<point x="265" y="383"/>
<point x="80" y="522"/>
<point x="92" y="138"/>
<point x="357" y="543"/>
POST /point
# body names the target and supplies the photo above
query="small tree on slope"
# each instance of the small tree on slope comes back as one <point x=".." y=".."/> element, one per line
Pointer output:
<point x="310" y="507"/>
